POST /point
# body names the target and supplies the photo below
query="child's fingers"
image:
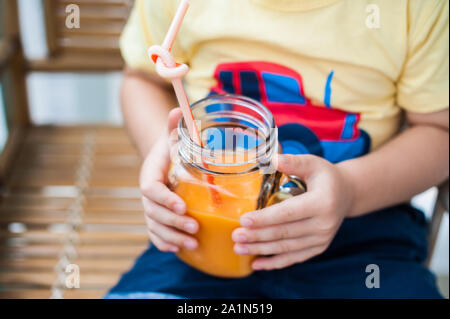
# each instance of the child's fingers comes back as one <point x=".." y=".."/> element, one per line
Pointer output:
<point x="279" y="246"/>
<point x="171" y="236"/>
<point x="162" y="245"/>
<point x="302" y="166"/>
<point x="159" y="193"/>
<point x="166" y="217"/>
<point x="293" y="209"/>
<point x="276" y="232"/>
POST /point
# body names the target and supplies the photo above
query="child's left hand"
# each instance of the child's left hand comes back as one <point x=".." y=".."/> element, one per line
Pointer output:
<point x="303" y="226"/>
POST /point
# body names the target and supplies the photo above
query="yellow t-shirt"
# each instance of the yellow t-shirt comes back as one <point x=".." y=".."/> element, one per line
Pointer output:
<point x="335" y="73"/>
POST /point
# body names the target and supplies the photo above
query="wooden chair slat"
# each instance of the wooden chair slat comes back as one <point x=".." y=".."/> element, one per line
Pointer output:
<point x="83" y="251"/>
<point x="98" y="280"/>
<point x="84" y="237"/>
<point x="37" y="205"/>
<point x="45" y="294"/>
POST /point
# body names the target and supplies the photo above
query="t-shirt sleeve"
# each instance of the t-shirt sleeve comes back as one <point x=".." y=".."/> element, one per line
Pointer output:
<point x="147" y="25"/>
<point x="423" y="84"/>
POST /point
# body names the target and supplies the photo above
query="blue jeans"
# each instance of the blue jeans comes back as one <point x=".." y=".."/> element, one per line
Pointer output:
<point x="394" y="239"/>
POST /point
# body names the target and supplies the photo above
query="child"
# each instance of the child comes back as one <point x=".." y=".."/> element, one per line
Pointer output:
<point x="361" y="69"/>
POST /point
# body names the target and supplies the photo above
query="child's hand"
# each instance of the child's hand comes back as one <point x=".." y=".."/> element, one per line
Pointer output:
<point x="300" y="227"/>
<point x="164" y="209"/>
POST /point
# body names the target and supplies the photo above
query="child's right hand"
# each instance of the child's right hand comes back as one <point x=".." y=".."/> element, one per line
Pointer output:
<point x="164" y="210"/>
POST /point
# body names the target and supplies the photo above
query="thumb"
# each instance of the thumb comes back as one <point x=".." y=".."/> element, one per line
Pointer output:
<point x="301" y="166"/>
<point x="174" y="118"/>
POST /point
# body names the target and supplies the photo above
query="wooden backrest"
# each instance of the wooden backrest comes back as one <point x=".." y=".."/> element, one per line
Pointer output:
<point x="12" y="76"/>
<point x="60" y="178"/>
<point x="94" y="46"/>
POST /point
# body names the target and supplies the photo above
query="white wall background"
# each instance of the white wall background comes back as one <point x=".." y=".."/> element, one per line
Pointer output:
<point x="440" y="260"/>
<point x="3" y="125"/>
<point x="70" y="98"/>
<point x="32" y="28"/>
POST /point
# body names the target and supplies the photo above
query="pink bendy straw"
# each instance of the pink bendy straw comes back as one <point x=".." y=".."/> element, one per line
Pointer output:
<point x="168" y="68"/>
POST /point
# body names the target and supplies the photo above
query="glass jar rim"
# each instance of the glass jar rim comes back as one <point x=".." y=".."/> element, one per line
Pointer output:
<point x="263" y="153"/>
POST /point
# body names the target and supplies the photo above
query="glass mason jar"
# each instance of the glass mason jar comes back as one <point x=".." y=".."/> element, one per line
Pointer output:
<point x="230" y="174"/>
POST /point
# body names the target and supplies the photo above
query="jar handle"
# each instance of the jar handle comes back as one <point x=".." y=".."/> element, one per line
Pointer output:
<point x="290" y="186"/>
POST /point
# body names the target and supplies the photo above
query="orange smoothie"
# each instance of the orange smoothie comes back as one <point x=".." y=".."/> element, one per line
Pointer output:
<point x="238" y="195"/>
